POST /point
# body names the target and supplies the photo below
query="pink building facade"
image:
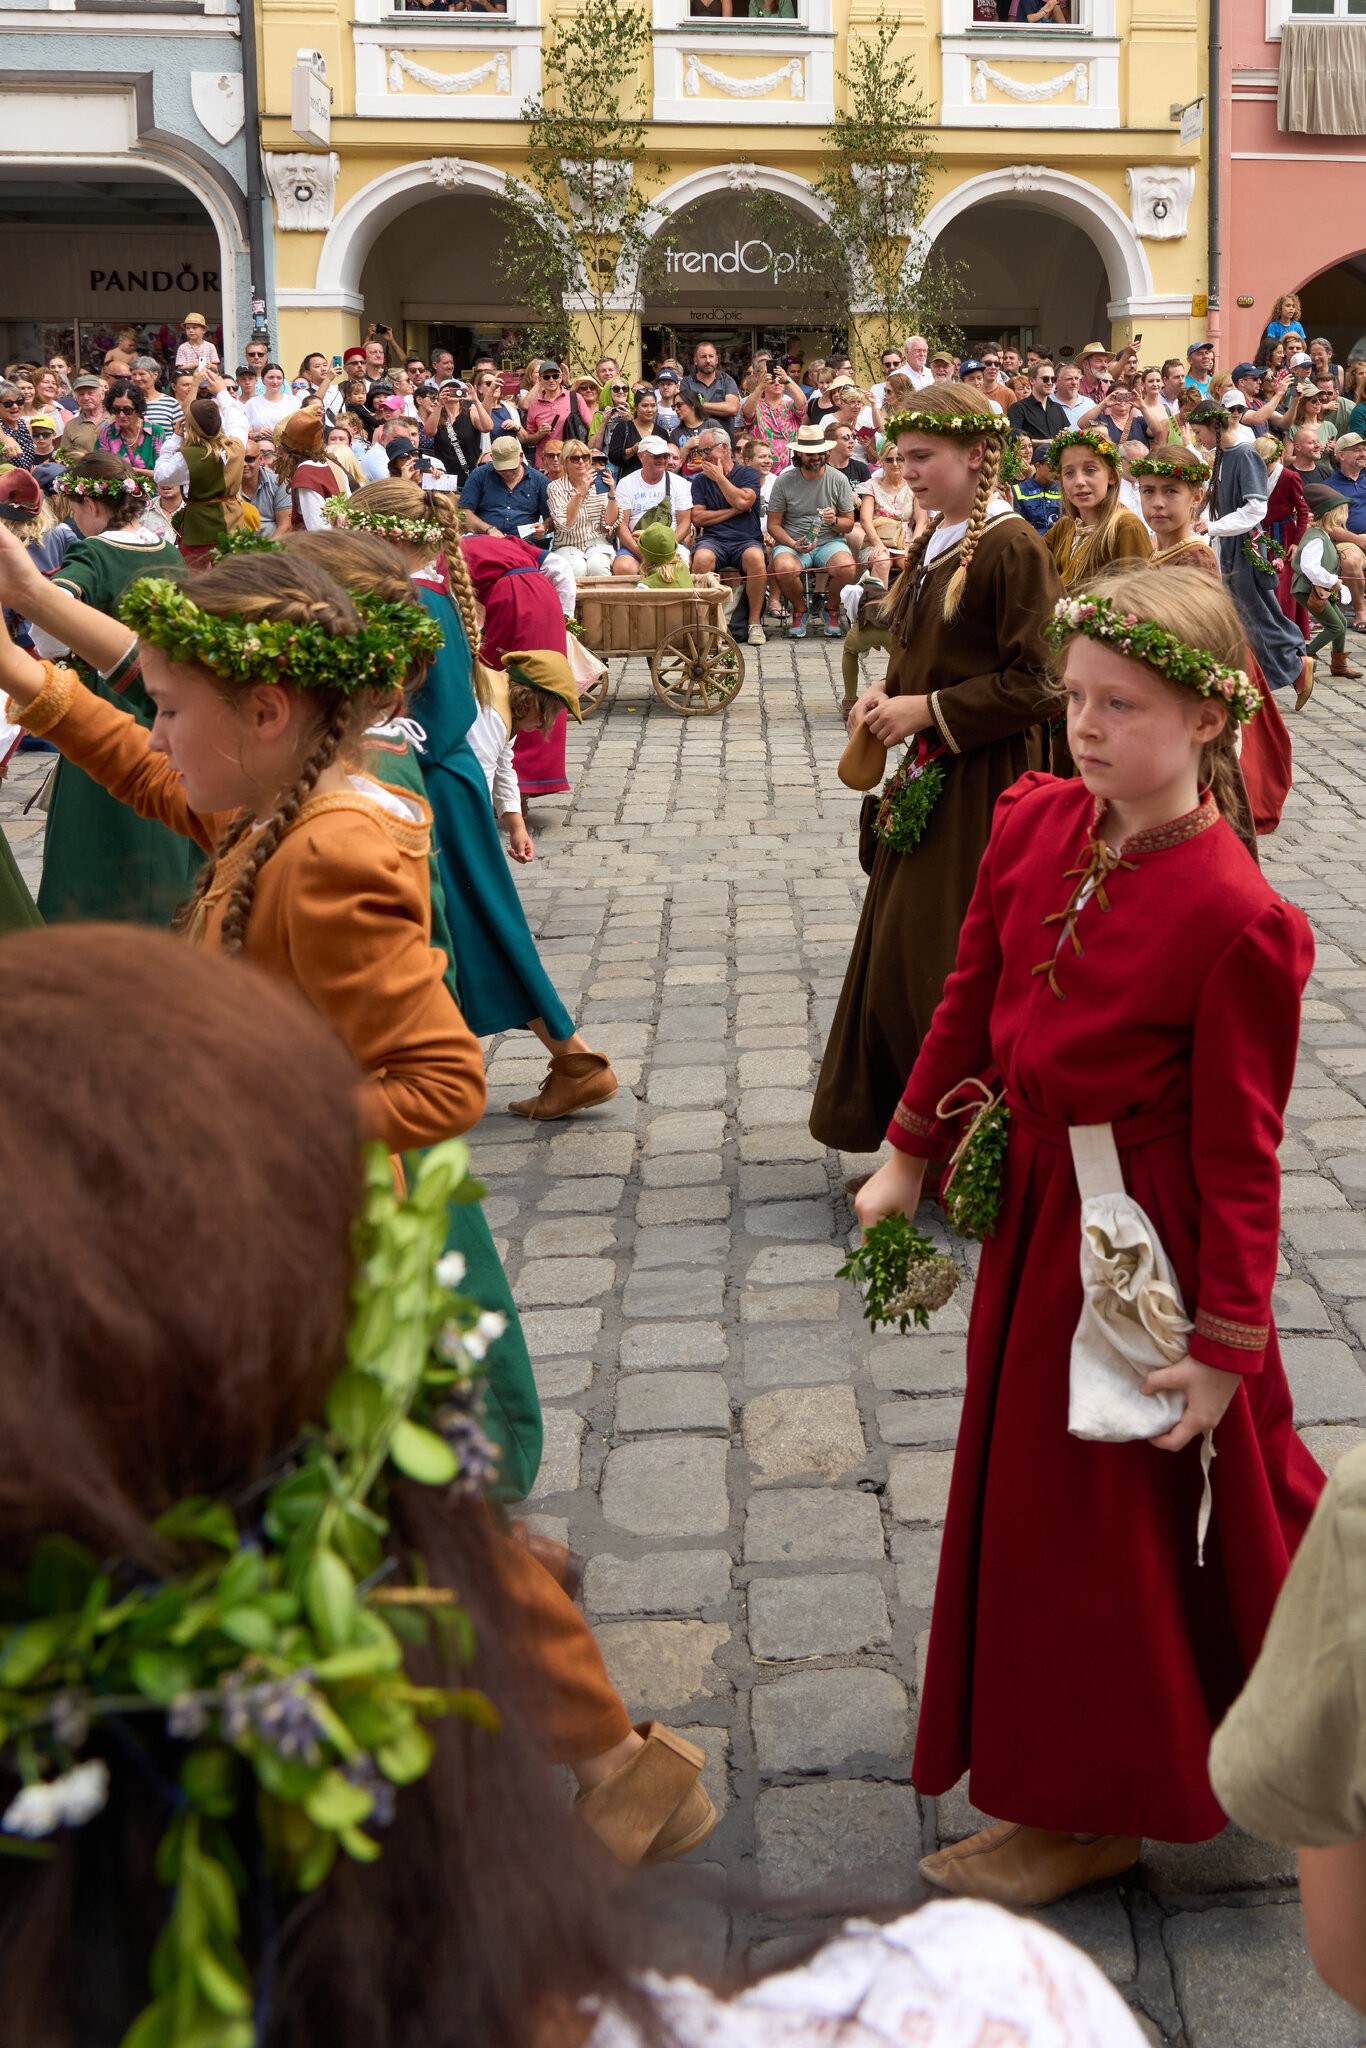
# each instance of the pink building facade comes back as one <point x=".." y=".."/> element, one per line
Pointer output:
<point x="1292" y="199"/>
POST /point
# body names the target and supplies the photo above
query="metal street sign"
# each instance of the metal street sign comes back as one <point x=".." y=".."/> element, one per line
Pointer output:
<point x="311" y="99"/>
<point x="1193" y="121"/>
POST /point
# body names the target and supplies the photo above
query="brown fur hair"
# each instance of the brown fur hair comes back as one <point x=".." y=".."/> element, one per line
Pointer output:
<point x="396" y="498"/>
<point x="275" y="586"/>
<point x="1196" y="609"/>
<point x="949" y="398"/>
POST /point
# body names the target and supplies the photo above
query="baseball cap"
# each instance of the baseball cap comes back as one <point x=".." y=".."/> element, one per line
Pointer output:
<point x="667" y="377"/>
<point x="1193" y="347"/>
<point x="941" y="355"/>
<point x="506" y="452"/>
<point x="653" y="444"/>
<point x="43" y="423"/>
<point x="1246" y="370"/>
<point x="1343" y="441"/>
<point x="549" y="369"/>
<point x="1232" y="400"/>
<point x="20" y="497"/>
<point x="390" y="404"/>
<point x="968" y="363"/>
<point x="1301" y="362"/>
<point x="87" y="383"/>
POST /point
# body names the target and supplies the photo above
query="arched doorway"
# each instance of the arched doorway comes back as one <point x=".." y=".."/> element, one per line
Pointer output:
<point x="433" y="277"/>
<point x="1334" y="304"/>
<point x="1027" y="277"/>
<point x="95" y="251"/>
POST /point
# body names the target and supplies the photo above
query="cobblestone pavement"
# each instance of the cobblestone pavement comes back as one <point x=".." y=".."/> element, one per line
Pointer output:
<point x="757" y="1485"/>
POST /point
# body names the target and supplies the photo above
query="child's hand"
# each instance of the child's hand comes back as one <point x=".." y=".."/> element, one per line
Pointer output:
<point x="894" y="1190"/>
<point x="520" y="843"/>
<point x="18" y="577"/>
<point x="1208" y="1393"/>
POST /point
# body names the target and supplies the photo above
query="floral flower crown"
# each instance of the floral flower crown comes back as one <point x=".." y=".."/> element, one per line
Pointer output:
<point x="1162" y="465"/>
<point x="138" y="484"/>
<point x="958" y="423"/>
<point x="1083" y="437"/>
<point x="276" y="1658"/>
<point x="392" y="638"/>
<point x="419" y="533"/>
<point x="1144" y="640"/>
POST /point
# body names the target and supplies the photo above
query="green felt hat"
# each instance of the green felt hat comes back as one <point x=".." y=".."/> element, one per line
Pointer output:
<point x="541" y="670"/>
<point x="658" y="543"/>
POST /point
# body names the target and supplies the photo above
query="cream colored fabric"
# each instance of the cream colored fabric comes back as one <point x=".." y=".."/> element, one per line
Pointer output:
<point x="957" y="1974"/>
<point x="1323" y="78"/>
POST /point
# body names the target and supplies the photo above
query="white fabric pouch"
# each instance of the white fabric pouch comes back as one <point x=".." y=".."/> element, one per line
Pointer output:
<point x="1133" y="1318"/>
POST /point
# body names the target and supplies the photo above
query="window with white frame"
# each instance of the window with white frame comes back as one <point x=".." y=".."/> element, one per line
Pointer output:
<point x="1323" y="7"/>
<point x="746" y="14"/>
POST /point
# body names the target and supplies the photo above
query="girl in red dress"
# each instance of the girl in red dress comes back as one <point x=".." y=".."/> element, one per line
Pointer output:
<point x="1122" y="962"/>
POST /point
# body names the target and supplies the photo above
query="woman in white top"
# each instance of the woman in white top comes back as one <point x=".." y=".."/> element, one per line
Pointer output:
<point x="584" y="518"/>
<point x="274" y="402"/>
<point x="886" y="510"/>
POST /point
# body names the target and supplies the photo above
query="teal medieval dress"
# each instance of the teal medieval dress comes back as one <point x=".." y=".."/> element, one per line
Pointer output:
<point x="100" y="859"/>
<point x="512" y="1404"/>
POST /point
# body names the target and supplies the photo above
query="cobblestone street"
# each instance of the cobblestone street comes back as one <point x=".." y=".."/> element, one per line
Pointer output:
<point x="755" y="1483"/>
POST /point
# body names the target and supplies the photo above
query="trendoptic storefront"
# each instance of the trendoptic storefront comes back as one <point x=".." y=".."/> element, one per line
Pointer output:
<point x="1068" y="194"/>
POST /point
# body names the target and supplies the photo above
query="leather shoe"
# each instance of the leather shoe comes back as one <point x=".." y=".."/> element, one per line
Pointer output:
<point x="1019" y="1866"/>
<point x="654" y="1808"/>
<point x="575" y="1080"/>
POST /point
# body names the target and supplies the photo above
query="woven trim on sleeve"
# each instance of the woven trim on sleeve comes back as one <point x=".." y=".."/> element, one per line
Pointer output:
<point x="1238" y="1336"/>
<point x="911" y="1120"/>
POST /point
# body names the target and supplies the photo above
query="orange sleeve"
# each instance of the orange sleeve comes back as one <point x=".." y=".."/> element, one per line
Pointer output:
<point x="356" y="932"/>
<point x="114" y="750"/>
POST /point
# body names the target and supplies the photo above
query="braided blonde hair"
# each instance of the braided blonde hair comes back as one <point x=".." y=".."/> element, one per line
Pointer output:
<point x="397" y="499"/>
<point x="276" y="587"/>
<point x="948" y="399"/>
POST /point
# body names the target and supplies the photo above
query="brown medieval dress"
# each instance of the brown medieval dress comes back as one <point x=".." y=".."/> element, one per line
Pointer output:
<point x="986" y="680"/>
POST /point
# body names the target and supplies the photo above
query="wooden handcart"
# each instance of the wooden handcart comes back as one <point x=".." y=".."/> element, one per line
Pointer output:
<point x="695" y="664"/>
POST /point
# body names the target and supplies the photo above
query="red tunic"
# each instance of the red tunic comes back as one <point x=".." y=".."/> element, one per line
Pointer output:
<point x="1079" y="1660"/>
<point x="1287" y="520"/>
<point x="521" y="610"/>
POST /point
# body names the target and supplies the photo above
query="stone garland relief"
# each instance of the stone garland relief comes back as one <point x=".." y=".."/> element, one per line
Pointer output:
<point x="1160" y="199"/>
<point x="304" y="188"/>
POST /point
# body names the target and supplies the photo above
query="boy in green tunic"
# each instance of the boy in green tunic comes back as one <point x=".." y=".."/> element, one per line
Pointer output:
<point x="100" y="860"/>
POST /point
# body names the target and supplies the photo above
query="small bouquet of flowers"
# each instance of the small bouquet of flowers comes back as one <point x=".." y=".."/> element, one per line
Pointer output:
<point x="902" y="1276"/>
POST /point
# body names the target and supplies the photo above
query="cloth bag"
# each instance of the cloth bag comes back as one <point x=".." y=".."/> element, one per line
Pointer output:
<point x="1133" y="1319"/>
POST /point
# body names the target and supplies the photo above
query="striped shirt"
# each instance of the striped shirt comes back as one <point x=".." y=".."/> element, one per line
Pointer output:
<point x="164" y="412"/>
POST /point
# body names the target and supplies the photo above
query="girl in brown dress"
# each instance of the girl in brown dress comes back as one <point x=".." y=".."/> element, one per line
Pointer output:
<point x="1095" y="528"/>
<point x="966" y="686"/>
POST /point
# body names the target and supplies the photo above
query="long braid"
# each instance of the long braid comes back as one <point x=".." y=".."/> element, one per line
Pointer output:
<point x="896" y="612"/>
<point x="462" y="590"/>
<point x="977" y="519"/>
<point x="328" y="746"/>
<point x="1220" y="772"/>
<point x="187" y="917"/>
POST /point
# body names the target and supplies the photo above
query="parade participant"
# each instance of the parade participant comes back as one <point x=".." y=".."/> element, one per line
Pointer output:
<point x="522" y="611"/>
<point x="99" y="858"/>
<point x="1095" y="528"/>
<point x="503" y="985"/>
<point x="208" y="468"/>
<point x="1173" y="484"/>
<point x="667" y="569"/>
<point x="1239" y="498"/>
<point x="1317" y="579"/>
<point x="1287" y="516"/>
<point x="303" y="466"/>
<point x="965" y="682"/>
<point x="1065" y="1557"/>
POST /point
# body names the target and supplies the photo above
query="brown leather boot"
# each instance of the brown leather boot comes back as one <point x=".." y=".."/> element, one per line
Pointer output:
<point x="1342" y="667"/>
<point x="575" y="1080"/>
<point x="1306" y="688"/>
<point x="1017" y="1866"/>
<point x="654" y="1808"/>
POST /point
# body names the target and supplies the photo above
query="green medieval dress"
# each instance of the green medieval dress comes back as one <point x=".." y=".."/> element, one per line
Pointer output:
<point x="100" y="859"/>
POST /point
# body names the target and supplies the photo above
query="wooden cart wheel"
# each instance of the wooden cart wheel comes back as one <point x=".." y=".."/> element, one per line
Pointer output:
<point x="595" y="696"/>
<point x="697" y="668"/>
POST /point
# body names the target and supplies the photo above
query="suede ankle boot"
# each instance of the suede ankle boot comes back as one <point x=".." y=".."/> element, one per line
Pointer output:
<point x="1343" y="668"/>
<point x="654" y="1808"/>
<point x="1018" y="1866"/>
<point x="575" y="1080"/>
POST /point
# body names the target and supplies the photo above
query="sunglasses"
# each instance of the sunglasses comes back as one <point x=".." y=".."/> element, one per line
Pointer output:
<point x="1046" y="380"/>
<point x="550" y="376"/>
<point x="618" y="391"/>
<point x="892" y="362"/>
<point x="124" y="411"/>
<point x="9" y="404"/>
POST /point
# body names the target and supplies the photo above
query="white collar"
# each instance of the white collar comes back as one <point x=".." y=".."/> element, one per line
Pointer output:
<point x="945" y="537"/>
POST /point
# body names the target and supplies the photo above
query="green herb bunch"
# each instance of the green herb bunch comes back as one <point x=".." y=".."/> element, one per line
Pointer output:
<point x="904" y="811"/>
<point x="276" y="1657"/>
<point x="971" y="1193"/>
<point x="902" y="1276"/>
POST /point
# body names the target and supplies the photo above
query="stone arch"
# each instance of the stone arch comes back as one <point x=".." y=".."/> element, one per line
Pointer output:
<point x="736" y="179"/>
<point x="1071" y="199"/>
<point x="361" y="220"/>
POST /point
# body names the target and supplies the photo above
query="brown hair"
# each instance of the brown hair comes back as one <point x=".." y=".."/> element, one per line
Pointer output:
<point x="1097" y="548"/>
<point x="275" y="586"/>
<point x="1190" y="604"/>
<point x="125" y="510"/>
<point x="400" y="498"/>
<point x="949" y="398"/>
<point x="164" y="1336"/>
<point x="363" y="564"/>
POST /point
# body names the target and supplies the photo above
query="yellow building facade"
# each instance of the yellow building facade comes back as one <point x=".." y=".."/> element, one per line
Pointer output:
<point x="1066" y="193"/>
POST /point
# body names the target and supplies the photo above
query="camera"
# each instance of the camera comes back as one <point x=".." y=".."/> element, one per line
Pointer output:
<point x="425" y="466"/>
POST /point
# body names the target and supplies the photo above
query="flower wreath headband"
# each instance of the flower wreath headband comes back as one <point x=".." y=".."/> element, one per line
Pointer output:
<point x="419" y="533"/>
<point x="1083" y="437"/>
<point x="276" y="1658"/>
<point x="392" y="638"/>
<point x="956" y="423"/>
<point x="1144" y="640"/>
<point x="138" y="485"/>
<point x="1179" y="472"/>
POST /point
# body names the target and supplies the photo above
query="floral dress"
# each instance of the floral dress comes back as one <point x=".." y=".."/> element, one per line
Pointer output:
<point x="776" y="424"/>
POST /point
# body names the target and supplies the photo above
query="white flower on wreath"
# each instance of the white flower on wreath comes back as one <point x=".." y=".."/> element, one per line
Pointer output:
<point x="69" y="1801"/>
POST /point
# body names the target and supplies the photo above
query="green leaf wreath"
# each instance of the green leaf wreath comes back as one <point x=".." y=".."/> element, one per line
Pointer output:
<point x="1264" y="552"/>
<point x="276" y="1657"/>
<point x="971" y="1191"/>
<point x="902" y="1275"/>
<point x="907" y="800"/>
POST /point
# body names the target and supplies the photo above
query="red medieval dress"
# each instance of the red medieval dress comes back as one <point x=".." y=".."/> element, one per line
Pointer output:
<point x="1079" y="1659"/>
<point x="1264" y="752"/>
<point x="522" y="610"/>
<point x="1287" y="521"/>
